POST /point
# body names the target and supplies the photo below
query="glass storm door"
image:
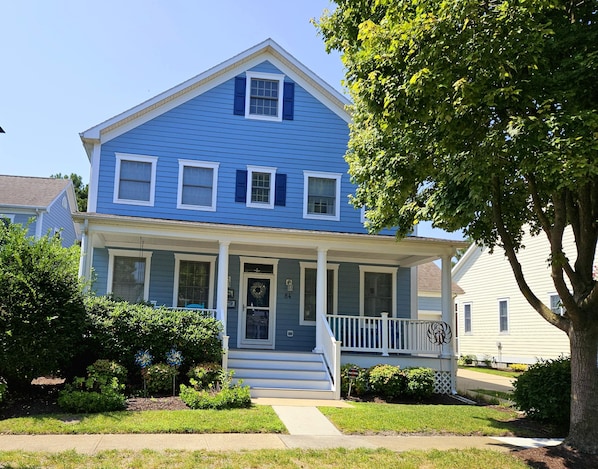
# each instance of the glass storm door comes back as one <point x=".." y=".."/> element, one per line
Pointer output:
<point x="258" y="311"/>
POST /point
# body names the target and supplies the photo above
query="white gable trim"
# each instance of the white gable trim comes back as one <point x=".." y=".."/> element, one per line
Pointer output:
<point x="267" y="50"/>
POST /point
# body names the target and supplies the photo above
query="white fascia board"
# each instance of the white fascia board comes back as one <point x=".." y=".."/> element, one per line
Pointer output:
<point x="465" y="260"/>
<point x="163" y="102"/>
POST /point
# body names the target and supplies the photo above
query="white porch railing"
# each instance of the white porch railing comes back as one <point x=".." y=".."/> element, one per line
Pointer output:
<point x="331" y="350"/>
<point x="384" y="335"/>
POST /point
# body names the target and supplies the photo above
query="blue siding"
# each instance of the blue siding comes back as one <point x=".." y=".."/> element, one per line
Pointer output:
<point x="60" y="217"/>
<point x="205" y="128"/>
<point x="429" y="303"/>
<point x="23" y="219"/>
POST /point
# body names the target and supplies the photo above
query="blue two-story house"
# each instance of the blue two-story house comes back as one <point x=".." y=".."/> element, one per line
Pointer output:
<point x="229" y="193"/>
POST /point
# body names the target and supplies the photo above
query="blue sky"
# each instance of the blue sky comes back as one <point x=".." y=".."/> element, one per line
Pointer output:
<point x="68" y="65"/>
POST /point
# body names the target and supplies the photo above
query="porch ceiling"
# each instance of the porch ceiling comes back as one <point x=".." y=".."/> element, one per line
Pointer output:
<point x="151" y="234"/>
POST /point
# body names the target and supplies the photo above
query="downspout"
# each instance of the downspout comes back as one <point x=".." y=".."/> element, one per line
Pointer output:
<point x="38" y="223"/>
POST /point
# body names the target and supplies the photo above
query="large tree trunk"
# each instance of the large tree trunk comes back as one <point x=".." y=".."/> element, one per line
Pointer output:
<point x="583" y="432"/>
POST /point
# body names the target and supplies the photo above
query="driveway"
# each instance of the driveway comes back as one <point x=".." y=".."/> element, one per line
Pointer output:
<point x="468" y="380"/>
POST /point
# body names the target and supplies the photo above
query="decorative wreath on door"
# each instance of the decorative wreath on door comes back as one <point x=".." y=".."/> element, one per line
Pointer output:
<point x="258" y="290"/>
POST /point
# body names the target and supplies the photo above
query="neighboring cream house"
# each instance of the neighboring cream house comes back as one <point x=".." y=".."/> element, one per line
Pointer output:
<point x="494" y="319"/>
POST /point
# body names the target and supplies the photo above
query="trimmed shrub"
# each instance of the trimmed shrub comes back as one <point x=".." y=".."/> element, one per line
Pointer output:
<point x="388" y="381"/>
<point x="543" y="392"/>
<point x="359" y="385"/>
<point x="420" y="382"/>
<point x="101" y="391"/>
<point x="118" y="330"/>
<point x="159" y="377"/>
<point x="205" y="375"/>
<point x="518" y="367"/>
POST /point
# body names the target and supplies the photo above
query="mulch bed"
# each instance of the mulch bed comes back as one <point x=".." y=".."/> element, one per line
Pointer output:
<point x="43" y="401"/>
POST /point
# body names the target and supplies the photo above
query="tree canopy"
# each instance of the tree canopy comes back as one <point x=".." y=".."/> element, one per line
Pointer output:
<point x="482" y="115"/>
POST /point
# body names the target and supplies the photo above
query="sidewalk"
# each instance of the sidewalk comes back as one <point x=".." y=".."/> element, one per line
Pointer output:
<point x="468" y="380"/>
<point x="307" y="426"/>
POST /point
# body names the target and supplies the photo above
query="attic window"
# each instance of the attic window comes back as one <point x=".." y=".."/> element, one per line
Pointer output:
<point x="264" y="96"/>
<point x="135" y="179"/>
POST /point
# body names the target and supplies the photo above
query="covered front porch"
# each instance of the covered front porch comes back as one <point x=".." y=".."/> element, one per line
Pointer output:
<point x="338" y="297"/>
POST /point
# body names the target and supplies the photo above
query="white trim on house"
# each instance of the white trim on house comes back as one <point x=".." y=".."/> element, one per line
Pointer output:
<point x="276" y="77"/>
<point x="377" y="269"/>
<point x="152" y="160"/>
<point x="313" y="265"/>
<point x="508" y="318"/>
<point x="197" y="164"/>
<point x="337" y="202"/>
<point x="260" y="169"/>
<point x="147" y="255"/>
<point x="178" y="257"/>
<point x="163" y="102"/>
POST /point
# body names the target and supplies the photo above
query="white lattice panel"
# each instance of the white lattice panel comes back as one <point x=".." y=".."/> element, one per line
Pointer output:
<point x="442" y="382"/>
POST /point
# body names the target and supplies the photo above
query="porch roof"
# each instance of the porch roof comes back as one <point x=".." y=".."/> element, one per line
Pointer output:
<point x="157" y="234"/>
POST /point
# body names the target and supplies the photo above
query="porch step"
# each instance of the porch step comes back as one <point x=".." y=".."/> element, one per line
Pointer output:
<point x="281" y="374"/>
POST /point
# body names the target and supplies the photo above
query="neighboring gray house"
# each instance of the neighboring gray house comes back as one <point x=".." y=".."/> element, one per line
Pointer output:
<point x="47" y="203"/>
<point x="429" y="292"/>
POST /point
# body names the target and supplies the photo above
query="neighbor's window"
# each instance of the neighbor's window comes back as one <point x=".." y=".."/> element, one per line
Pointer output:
<point x="555" y="304"/>
<point x="503" y="315"/>
<point x="321" y="195"/>
<point x="467" y="317"/>
<point x="197" y="185"/>
<point x="135" y="179"/>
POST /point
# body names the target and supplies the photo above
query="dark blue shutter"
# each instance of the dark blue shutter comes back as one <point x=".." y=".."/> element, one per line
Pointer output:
<point x="241" y="186"/>
<point x="240" y="96"/>
<point x="280" y="190"/>
<point x="288" y="101"/>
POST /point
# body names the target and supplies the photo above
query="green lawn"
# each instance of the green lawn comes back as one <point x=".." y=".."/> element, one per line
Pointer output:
<point x="257" y="419"/>
<point x="367" y="417"/>
<point x="279" y="459"/>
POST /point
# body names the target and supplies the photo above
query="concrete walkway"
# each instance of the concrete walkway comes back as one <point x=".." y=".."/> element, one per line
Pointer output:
<point x="307" y="426"/>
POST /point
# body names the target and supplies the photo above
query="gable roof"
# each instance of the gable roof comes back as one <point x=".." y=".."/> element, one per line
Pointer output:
<point x="266" y="50"/>
<point x="429" y="279"/>
<point x="31" y="192"/>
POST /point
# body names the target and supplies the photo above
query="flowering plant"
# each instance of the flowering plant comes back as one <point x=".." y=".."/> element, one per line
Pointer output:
<point x="174" y="357"/>
<point x="143" y="358"/>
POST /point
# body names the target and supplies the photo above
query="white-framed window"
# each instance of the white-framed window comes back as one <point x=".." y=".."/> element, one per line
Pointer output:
<point x="555" y="304"/>
<point x="321" y="195"/>
<point x="378" y="291"/>
<point x="307" y="299"/>
<point x="503" y="315"/>
<point x="260" y="186"/>
<point x="135" y="179"/>
<point x="129" y="274"/>
<point x="198" y="182"/>
<point x="263" y="96"/>
<point x="467" y="318"/>
<point x="193" y="281"/>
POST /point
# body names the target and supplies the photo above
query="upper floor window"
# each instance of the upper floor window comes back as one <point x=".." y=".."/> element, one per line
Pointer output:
<point x="135" y="179"/>
<point x="467" y="317"/>
<point x="264" y="96"/>
<point x="261" y="187"/>
<point x="378" y="290"/>
<point x="503" y="315"/>
<point x="197" y="185"/>
<point x="321" y="195"/>
<point x="128" y="275"/>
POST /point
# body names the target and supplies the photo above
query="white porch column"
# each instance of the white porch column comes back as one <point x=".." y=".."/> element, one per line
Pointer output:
<point x="222" y="284"/>
<point x="320" y="296"/>
<point x="448" y="316"/>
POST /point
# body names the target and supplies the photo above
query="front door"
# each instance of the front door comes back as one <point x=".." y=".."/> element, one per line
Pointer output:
<point x="258" y="311"/>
